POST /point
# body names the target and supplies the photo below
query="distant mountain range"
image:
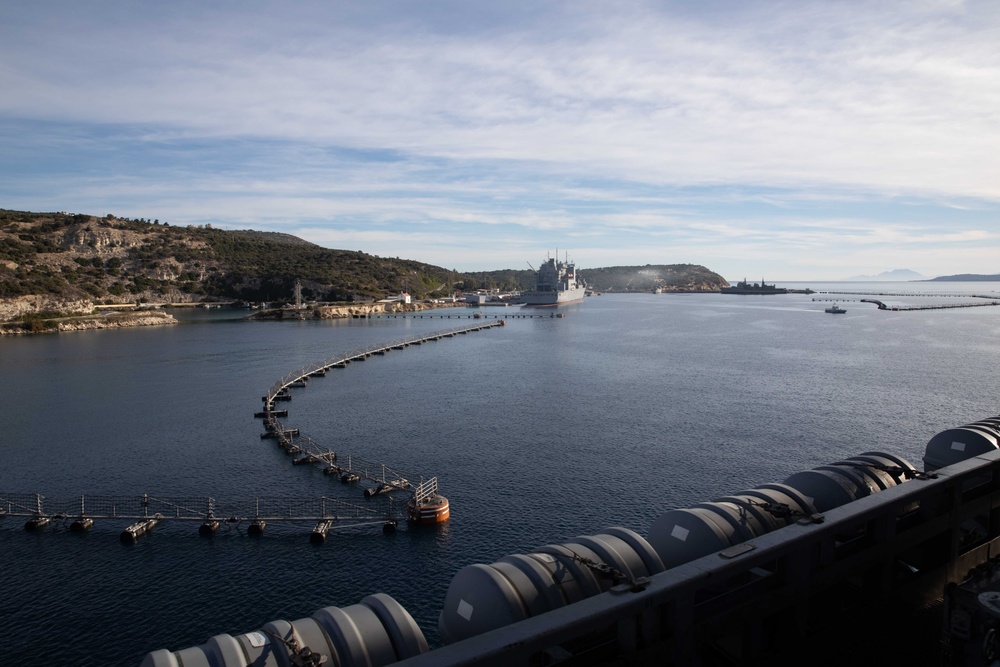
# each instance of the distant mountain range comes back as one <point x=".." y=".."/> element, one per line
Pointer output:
<point x="895" y="274"/>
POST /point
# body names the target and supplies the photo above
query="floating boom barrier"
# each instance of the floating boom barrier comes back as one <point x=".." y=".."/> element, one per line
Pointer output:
<point x="426" y="505"/>
<point x="300" y="378"/>
<point x="146" y="511"/>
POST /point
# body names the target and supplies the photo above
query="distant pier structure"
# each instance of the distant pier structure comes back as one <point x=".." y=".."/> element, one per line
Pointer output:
<point x="984" y="300"/>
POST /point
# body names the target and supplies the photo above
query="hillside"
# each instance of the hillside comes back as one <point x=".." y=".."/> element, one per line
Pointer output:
<point x="75" y="258"/>
<point x="668" y="277"/>
<point x="61" y="263"/>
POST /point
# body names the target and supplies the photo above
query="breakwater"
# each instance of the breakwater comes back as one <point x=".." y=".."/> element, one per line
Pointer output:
<point x="883" y="306"/>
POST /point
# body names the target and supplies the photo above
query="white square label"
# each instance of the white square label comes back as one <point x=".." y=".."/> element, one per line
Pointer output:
<point x="465" y="610"/>
<point x="680" y="532"/>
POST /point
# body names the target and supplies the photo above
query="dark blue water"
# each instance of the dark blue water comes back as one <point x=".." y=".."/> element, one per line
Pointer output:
<point x="539" y="431"/>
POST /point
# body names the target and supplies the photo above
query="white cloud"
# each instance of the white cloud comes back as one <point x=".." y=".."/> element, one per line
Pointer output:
<point x="654" y="121"/>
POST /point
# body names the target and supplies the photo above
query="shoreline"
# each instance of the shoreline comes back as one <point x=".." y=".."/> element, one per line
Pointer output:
<point x="128" y="320"/>
<point x="346" y="311"/>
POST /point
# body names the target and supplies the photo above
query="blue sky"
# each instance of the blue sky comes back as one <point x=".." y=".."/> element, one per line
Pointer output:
<point x="798" y="140"/>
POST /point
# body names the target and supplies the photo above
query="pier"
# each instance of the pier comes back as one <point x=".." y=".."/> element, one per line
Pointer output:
<point x="940" y="306"/>
<point x="991" y="300"/>
<point x="919" y="294"/>
<point x="943" y="306"/>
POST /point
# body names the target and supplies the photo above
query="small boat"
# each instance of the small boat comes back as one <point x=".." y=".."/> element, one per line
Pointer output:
<point x="835" y="309"/>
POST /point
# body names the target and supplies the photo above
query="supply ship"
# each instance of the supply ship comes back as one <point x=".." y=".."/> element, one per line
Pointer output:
<point x="555" y="283"/>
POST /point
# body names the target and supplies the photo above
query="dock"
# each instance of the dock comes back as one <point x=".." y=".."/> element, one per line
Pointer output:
<point x="990" y="300"/>
<point x="940" y="306"/>
<point x="993" y="301"/>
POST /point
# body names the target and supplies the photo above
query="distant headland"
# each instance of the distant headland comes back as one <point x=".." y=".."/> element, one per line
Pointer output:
<point x="968" y="278"/>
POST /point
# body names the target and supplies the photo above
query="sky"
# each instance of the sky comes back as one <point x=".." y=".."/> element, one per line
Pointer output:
<point x="791" y="140"/>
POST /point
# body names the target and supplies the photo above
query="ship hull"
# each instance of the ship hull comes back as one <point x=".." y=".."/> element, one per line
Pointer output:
<point x="553" y="298"/>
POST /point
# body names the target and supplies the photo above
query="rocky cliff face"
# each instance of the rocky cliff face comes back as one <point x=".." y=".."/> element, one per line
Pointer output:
<point x="145" y="318"/>
<point x="13" y="309"/>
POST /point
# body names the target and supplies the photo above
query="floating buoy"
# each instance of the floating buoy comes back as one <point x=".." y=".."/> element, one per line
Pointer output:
<point x="208" y="528"/>
<point x="320" y="532"/>
<point x="36" y="523"/>
<point x="137" y="530"/>
<point x="430" y="510"/>
<point x="256" y="527"/>
<point x="81" y="525"/>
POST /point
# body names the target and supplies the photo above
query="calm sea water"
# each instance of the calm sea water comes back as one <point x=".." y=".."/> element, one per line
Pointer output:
<point x="542" y="430"/>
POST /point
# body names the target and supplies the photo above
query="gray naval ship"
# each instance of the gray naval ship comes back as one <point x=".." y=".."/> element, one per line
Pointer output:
<point x="744" y="287"/>
<point x="555" y="283"/>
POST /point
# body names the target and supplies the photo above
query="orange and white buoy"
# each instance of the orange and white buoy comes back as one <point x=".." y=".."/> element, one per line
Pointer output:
<point x="429" y="511"/>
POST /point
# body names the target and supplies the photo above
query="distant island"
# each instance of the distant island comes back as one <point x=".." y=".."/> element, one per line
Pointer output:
<point x="895" y="274"/>
<point x="908" y="275"/>
<point x="58" y="265"/>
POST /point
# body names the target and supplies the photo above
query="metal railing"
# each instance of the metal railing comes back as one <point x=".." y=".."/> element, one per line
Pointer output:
<point x="191" y="508"/>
